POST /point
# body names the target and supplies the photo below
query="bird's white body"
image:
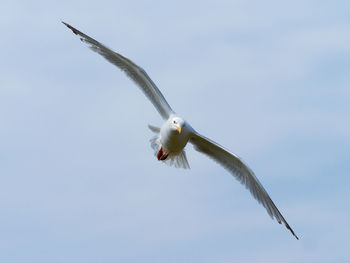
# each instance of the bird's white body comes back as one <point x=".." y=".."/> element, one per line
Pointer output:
<point x="170" y="140"/>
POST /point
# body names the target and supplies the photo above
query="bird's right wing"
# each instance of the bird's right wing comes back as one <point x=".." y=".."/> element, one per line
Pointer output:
<point x="241" y="171"/>
<point x="136" y="73"/>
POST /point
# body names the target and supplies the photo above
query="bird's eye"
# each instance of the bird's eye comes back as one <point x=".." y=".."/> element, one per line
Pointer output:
<point x="174" y="121"/>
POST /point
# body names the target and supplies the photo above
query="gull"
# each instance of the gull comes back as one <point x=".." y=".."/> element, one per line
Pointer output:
<point x="170" y="140"/>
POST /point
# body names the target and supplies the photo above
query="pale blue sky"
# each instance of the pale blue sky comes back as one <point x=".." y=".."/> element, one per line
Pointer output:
<point x="267" y="79"/>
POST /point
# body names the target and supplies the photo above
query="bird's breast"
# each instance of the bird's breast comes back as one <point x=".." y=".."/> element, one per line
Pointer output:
<point x="172" y="141"/>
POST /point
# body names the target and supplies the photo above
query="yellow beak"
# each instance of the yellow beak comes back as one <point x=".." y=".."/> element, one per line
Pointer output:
<point x="179" y="129"/>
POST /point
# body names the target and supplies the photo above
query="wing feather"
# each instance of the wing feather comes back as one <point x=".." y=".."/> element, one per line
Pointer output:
<point x="241" y="171"/>
<point x="134" y="72"/>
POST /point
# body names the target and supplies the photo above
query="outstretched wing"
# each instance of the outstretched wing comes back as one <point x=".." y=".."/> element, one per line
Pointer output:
<point x="241" y="171"/>
<point x="136" y="73"/>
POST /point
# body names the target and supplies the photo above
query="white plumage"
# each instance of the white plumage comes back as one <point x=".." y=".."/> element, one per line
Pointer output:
<point x="171" y="139"/>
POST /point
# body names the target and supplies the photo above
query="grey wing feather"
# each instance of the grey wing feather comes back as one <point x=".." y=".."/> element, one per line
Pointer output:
<point x="154" y="128"/>
<point x="136" y="73"/>
<point x="241" y="171"/>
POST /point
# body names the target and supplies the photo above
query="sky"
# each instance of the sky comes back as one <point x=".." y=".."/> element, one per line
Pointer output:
<point x="269" y="80"/>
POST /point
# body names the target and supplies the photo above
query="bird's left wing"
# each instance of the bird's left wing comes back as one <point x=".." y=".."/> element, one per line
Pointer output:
<point x="136" y="73"/>
<point x="241" y="171"/>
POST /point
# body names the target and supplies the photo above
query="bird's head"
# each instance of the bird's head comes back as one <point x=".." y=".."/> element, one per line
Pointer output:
<point x="177" y="124"/>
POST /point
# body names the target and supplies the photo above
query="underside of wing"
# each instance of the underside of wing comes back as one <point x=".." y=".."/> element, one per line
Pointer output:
<point x="241" y="171"/>
<point x="136" y="73"/>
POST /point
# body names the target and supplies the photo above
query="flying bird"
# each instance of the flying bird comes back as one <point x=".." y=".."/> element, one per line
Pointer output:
<point x="170" y="140"/>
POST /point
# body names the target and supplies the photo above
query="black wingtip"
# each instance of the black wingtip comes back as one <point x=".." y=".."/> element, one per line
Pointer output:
<point x="64" y="23"/>
<point x="71" y="28"/>
<point x="291" y="230"/>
